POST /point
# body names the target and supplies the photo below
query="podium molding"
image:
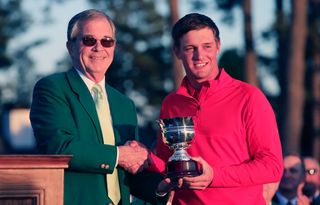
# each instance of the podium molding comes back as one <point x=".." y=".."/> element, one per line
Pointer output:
<point x="32" y="179"/>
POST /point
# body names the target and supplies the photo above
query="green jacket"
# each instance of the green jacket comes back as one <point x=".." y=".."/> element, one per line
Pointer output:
<point x="65" y="121"/>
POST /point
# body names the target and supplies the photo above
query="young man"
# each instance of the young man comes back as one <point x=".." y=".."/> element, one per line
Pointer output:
<point x="236" y="137"/>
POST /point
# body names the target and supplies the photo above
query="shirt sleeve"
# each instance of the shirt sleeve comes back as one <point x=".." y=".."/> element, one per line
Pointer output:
<point x="159" y="157"/>
<point x="162" y="152"/>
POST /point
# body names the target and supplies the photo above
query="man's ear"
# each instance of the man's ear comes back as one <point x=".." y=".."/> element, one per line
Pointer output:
<point x="69" y="47"/>
<point x="176" y="51"/>
<point x="218" y="47"/>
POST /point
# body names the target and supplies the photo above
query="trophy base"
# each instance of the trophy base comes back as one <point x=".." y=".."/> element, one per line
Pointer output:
<point x="179" y="169"/>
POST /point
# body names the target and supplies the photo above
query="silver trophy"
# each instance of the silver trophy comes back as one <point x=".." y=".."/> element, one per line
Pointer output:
<point x="178" y="133"/>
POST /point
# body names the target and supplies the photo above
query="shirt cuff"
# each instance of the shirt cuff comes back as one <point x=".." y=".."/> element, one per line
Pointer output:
<point x="157" y="165"/>
<point x="117" y="157"/>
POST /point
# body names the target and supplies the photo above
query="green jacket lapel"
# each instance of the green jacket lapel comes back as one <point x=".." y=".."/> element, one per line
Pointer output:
<point x="85" y="98"/>
<point x="113" y="106"/>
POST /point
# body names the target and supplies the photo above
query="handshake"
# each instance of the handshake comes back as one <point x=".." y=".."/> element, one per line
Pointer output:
<point x="134" y="157"/>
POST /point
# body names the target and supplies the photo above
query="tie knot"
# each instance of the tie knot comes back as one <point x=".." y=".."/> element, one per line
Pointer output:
<point x="97" y="92"/>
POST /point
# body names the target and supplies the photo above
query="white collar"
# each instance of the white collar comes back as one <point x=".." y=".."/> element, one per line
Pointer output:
<point x="89" y="83"/>
<point x="283" y="200"/>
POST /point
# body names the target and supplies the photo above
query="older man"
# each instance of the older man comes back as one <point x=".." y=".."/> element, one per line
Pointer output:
<point x="78" y="113"/>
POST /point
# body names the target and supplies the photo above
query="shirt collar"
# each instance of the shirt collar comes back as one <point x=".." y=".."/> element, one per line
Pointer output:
<point x="89" y="83"/>
<point x="283" y="200"/>
<point x="222" y="80"/>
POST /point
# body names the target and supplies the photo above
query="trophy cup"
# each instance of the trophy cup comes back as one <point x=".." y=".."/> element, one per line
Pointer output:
<point x="178" y="133"/>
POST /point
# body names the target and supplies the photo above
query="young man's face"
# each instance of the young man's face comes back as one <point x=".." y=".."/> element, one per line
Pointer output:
<point x="198" y="52"/>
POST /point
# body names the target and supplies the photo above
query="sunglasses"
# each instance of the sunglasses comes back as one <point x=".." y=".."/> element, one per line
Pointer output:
<point x="106" y="42"/>
<point x="292" y="170"/>
<point x="311" y="171"/>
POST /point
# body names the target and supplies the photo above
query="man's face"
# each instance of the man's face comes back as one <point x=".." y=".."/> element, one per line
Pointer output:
<point x="198" y="52"/>
<point x="293" y="174"/>
<point x="93" y="60"/>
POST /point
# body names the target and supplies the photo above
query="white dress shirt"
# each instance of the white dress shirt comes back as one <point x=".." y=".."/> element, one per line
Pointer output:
<point x="89" y="83"/>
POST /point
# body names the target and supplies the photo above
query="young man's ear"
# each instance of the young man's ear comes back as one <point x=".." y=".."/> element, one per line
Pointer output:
<point x="176" y="51"/>
<point x="218" y="47"/>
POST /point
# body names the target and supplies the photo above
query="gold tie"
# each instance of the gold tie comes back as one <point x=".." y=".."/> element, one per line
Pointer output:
<point x="103" y="111"/>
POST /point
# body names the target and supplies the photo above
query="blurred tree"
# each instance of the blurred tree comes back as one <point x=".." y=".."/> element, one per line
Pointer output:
<point x="16" y="66"/>
<point x="250" y="63"/>
<point x="250" y="54"/>
<point x="311" y="134"/>
<point x="178" y="71"/>
<point x="232" y="61"/>
<point x="16" y="62"/>
<point x="26" y="75"/>
<point x="315" y="36"/>
<point x="13" y="21"/>
<point x="296" y="73"/>
<point x="307" y="122"/>
<point x="281" y="30"/>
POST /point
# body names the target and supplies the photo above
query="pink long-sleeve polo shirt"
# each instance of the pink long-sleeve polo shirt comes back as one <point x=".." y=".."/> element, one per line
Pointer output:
<point x="235" y="132"/>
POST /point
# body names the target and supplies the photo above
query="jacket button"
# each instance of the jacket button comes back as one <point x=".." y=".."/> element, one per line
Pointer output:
<point x="104" y="166"/>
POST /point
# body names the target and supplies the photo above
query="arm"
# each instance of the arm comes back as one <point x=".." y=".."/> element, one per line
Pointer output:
<point x="158" y="159"/>
<point x="133" y="158"/>
<point x="62" y="126"/>
<point x="265" y="163"/>
<point x="262" y="139"/>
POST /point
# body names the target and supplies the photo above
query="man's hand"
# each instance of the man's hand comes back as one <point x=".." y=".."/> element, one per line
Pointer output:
<point x="167" y="185"/>
<point x="301" y="198"/>
<point x="147" y="162"/>
<point x="133" y="156"/>
<point x="202" y="181"/>
<point x="269" y="190"/>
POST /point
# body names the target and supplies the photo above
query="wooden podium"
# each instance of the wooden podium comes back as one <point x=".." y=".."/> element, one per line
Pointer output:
<point x="32" y="179"/>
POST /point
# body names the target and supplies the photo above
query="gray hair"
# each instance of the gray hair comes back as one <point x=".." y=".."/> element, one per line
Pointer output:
<point x="73" y="26"/>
